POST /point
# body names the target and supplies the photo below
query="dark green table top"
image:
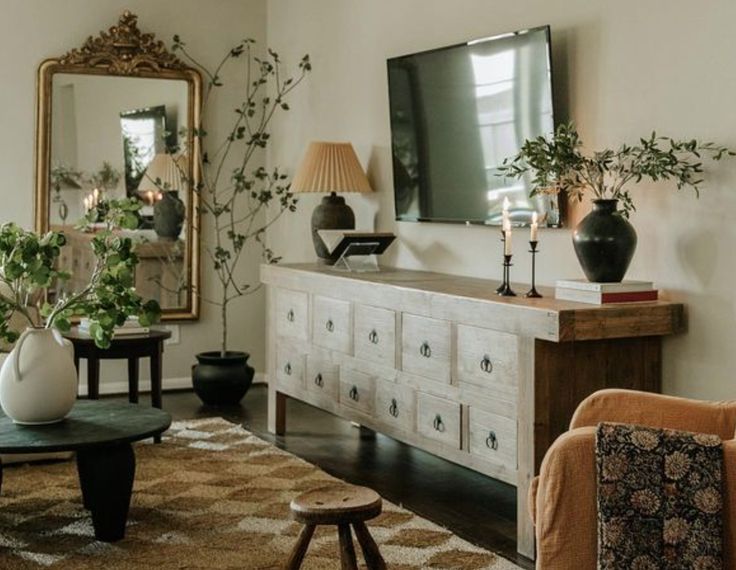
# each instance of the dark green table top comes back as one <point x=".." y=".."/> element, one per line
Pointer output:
<point x="91" y="423"/>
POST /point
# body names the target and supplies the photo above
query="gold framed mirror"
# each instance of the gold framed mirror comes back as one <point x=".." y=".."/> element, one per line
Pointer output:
<point x="114" y="120"/>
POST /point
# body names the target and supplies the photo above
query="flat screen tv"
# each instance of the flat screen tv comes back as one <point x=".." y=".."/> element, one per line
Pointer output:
<point x="456" y="114"/>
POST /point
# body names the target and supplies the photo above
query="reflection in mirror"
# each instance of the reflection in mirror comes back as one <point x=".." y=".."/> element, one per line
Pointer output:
<point x="117" y="137"/>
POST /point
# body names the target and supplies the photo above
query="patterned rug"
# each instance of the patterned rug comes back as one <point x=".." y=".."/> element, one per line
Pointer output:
<point x="212" y="496"/>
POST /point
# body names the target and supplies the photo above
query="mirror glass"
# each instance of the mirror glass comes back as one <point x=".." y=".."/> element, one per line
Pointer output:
<point x="115" y="137"/>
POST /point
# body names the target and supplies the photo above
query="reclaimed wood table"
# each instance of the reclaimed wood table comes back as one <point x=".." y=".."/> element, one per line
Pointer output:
<point x="101" y="434"/>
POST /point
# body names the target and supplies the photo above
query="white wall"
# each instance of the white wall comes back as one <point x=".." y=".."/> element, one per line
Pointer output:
<point x="32" y="30"/>
<point x="621" y="69"/>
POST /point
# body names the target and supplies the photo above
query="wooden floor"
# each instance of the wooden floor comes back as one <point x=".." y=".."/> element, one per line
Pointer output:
<point x="475" y="507"/>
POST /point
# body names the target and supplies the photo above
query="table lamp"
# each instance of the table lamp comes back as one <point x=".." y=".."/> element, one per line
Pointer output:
<point x="330" y="167"/>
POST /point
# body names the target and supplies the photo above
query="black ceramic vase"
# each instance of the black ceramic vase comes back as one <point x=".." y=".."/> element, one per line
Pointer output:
<point x="604" y="242"/>
<point x="222" y="380"/>
<point x="168" y="215"/>
<point x="332" y="213"/>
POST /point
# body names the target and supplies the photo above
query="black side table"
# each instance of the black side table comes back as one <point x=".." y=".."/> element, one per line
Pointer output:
<point x="101" y="434"/>
<point x="131" y="347"/>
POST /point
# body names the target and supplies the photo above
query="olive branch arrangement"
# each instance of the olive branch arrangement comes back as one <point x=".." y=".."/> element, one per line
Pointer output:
<point x="557" y="164"/>
<point x="232" y="194"/>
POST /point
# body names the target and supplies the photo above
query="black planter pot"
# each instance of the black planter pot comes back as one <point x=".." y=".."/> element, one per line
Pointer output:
<point x="222" y="380"/>
<point x="604" y="242"/>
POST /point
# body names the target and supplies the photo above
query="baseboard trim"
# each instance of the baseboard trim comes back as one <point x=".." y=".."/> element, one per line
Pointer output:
<point x="181" y="383"/>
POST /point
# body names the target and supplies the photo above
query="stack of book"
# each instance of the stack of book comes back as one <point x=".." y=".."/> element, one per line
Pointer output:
<point x="131" y="326"/>
<point x="583" y="291"/>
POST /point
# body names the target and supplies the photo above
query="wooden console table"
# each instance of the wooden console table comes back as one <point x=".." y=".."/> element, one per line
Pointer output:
<point x="443" y="363"/>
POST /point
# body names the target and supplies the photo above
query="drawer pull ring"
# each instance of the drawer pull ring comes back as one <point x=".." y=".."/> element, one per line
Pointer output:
<point x="486" y="365"/>
<point x="290" y="316"/>
<point x="492" y="441"/>
<point x="287" y="368"/>
<point x="393" y="409"/>
<point x="425" y="350"/>
<point x="318" y="380"/>
<point x="438" y="424"/>
<point x="329" y="325"/>
<point x="373" y="337"/>
<point x="354" y="394"/>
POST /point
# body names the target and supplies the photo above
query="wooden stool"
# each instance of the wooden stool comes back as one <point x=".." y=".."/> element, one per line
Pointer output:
<point x="340" y="505"/>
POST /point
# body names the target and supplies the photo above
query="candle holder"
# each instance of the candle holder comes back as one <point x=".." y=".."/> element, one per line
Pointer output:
<point x="503" y="248"/>
<point x="533" y="293"/>
<point x="506" y="290"/>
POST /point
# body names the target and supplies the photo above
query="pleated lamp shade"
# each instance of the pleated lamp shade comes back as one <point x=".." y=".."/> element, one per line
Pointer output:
<point x="330" y="167"/>
<point x="168" y="170"/>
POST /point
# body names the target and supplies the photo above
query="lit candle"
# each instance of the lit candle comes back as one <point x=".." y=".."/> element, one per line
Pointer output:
<point x="506" y="224"/>
<point x="95" y="197"/>
<point x="507" y="242"/>
<point x="149" y="197"/>
<point x="533" y="233"/>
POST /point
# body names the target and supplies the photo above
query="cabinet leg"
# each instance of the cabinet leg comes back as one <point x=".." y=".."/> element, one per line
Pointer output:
<point x="276" y="411"/>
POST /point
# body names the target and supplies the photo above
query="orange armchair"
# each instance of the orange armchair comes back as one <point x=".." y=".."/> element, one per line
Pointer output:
<point x="562" y="500"/>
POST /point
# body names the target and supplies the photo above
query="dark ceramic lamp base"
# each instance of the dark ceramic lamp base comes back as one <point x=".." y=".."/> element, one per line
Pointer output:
<point x="331" y="214"/>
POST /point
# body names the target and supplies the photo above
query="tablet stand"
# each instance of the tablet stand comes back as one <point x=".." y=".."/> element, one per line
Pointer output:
<point x="359" y="258"/>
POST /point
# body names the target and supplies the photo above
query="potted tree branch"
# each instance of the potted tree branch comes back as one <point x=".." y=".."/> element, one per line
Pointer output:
<point x="38" y="380"/>
<point x="604" y="240"/>
<point x="239" y="201"/>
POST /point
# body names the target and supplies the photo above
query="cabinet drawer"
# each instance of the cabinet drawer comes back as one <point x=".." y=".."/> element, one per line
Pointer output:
<point x="331" y="324"/>
<point x="438" y="419"/>
<point x="493" y="437"/>
<point x="322" y="378"/>
<point x="291" y="316"/>
<point x="488" y="358"/>
<point x="395" y="405"/>
<point x="357" y="390"/>
<point x="375" y="334"/>
<point x="289" y="367"/>
<point x="426" y="347"/>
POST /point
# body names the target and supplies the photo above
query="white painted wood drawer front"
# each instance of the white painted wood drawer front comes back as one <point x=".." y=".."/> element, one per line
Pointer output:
<point x="489" y="359"/>
<point x="426" y="347"/>
<point x="493" y="437"/>
<point x="375" y="334"/>
<point x="357" y="390"/>
<point x="289" y="366"/>
<point x="331" y="324"/>
<point x="395" y="405"/>
<point x="438" y="419"/>
<point x="292" y="314"/>
<point x="322" y="378"/>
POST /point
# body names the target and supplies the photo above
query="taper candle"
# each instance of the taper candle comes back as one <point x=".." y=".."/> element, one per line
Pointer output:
<point x="533" y="233"/>
<point x="507" y="242"/>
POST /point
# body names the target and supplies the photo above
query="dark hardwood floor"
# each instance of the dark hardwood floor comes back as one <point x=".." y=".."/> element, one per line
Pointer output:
<point x="476" y="508"/>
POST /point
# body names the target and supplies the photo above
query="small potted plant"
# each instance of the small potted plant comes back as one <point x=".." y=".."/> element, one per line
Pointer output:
<point x="604" y="240"/>
<point x="38" y="380"/>
<point x="239" y="202"/>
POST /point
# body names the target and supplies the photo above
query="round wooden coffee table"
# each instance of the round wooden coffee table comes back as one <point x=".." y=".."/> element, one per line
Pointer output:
<point x="101" y="434"/>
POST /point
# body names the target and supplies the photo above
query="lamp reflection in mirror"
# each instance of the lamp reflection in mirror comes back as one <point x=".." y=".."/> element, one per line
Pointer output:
<point x="159" y="188"/>
<point x="330" y="167"/>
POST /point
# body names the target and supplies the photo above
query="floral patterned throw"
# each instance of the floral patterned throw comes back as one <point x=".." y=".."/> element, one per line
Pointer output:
<point x="659" y="499"/>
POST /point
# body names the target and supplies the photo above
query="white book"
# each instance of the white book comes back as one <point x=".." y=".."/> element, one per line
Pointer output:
<point x="622" y="287"/>
<point x="600" y="298"/>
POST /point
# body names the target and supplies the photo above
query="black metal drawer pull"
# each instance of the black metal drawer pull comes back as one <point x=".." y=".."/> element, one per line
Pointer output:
<point x="287" y="368"/>
<point x="373" y="337"/>
<point x="438" y="424"/>
<point x="354" y="394"/>
<point x="486" y="365"/>
<point x="329" y="325"/>
<point x="290" y="316"/>
<point x="318" y="380"/>
<point x="393" y="409"/>
<point x="492" y="441"/>
<point x="425" y="350"/>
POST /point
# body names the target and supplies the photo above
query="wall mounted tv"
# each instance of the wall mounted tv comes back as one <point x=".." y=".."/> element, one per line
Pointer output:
<point x="456" y="113"/>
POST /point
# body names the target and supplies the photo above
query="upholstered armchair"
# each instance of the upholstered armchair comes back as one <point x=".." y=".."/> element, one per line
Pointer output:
<point x="562" y="500"/>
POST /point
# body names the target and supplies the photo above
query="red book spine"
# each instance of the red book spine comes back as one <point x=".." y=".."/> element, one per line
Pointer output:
<point x="631" y="297"/>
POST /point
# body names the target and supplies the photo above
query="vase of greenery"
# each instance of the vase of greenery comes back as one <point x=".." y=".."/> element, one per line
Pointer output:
<point x="605" y="240"/>
<point x="239" y="199"/>
<point x="38" y="380"/>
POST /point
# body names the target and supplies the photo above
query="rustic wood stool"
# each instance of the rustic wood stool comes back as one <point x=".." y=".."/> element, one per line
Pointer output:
<point x="340" y="505"/>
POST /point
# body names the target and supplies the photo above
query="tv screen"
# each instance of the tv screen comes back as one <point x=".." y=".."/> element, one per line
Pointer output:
<point x="456" y="114"/>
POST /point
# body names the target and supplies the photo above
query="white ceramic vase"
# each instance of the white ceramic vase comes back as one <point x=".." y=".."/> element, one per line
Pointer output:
<point x="38" y="380"/>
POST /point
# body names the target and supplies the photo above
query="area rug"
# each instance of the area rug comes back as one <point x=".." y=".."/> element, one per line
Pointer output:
<point x="211" y="496"/>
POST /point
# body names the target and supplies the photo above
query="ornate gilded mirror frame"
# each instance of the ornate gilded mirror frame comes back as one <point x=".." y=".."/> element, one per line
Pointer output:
<point x="124" y="51"/>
